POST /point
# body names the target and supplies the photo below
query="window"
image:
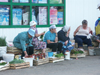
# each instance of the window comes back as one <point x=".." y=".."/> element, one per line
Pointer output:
<point x="39" y="1"/>
<point x="56" y="1"/>
<point x="21" y="1"/>
<point x="56" y="15"/>
<point x="39" y="14"/>
<point x="19" y="13"/>
<point x="4" y="0"/>
<point x="4" y="15"/>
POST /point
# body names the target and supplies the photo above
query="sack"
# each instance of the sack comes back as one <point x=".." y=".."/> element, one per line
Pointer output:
<point x="3" y="50"/>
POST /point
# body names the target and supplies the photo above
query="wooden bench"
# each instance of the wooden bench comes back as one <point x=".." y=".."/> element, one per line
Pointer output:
<point x="17" y="51"/>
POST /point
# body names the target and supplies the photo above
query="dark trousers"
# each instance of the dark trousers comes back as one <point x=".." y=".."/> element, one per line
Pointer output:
<point x="55" y="46"/>
<point x="82" y="39"/>
<point x="29" y="50"/>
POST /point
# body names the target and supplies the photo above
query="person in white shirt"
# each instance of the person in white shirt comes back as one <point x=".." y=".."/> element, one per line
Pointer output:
<point x="81" y="34"/>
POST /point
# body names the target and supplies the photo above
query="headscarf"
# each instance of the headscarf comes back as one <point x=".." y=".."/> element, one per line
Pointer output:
<point x="66" y="28"/>
<point x="33" y="23"/>
<point x="52" y="27"/>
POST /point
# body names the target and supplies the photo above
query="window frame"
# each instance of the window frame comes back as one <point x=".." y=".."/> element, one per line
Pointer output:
<point x="30" y="4"/>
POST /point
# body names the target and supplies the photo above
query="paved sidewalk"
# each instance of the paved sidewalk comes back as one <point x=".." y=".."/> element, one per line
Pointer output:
<point x="83" y="66"/>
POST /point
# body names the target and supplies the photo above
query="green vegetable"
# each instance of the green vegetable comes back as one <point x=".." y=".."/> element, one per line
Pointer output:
<point x="4" y="63"/>
<point x="3" y="41"/>
<point x="41" y="37"/>
<point x="16" y="61"/>
<point x="81" y="52"/>
<point x="59" y="55"/>
<point x="76" y="52"/>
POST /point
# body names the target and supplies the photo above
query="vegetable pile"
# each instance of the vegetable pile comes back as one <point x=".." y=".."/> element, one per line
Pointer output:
<point x="3" y="63"/>
<point x="76" y="52"/>
<point x="16" y="61"/>
<point x="59" y="55"/>
<point x="29" y="56"/>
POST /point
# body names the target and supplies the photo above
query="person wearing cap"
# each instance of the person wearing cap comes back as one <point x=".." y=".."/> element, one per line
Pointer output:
<point x="38" y="45"/>
<point x="51" y="39"/>
<point x="23" y="41"/>
<point x="81" y="34"/>
<point x="63" y="37"/>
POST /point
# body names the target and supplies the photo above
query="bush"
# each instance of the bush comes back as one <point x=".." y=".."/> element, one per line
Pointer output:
<point x="2" y="41"/>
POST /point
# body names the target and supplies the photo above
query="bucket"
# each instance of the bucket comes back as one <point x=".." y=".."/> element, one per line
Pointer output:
<point x="91" y="51"/>
<point x="8" y="57"/>
<point x="67" y="55"/>
<point x="30" y="60"/>
<point x="50" y="54"/>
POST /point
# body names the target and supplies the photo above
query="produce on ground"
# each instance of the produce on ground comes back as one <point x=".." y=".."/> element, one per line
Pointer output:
<point x="16" y="61"/>
<point x="30" y="56"/>
<point x="3" y="63"/>
<point x="59" y="55"/>
<point x="74" y="51"/>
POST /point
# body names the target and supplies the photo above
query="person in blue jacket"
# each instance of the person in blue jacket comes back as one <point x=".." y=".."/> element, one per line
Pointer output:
<point x="23" y="41"/>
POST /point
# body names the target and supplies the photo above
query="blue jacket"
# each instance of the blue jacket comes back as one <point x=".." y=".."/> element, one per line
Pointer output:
<point x="21" y="40"/>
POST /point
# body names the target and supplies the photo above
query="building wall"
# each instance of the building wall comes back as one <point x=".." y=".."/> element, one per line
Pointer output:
<point x="76" y="11"/>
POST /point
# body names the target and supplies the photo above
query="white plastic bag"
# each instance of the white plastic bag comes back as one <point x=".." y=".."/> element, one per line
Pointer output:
<point x="3" y="50"/>
<point x="89" y="36"/>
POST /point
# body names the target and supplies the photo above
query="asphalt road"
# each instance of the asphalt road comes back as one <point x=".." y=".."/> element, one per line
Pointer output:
<point x="89" y="65"/>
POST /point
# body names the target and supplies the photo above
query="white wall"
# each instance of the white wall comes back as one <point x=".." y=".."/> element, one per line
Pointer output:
<point x="10" y="33"/>
<point x="76" y="11"/>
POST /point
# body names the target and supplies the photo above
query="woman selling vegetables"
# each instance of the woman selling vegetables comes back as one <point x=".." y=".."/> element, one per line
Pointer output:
<point x="63" y="37"/>
<point x="36" y="43"/>
<point x="23" y="41"/>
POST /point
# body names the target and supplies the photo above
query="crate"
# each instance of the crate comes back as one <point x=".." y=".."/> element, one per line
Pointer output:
<point x="55" y="59"/>
<point x="20" y="66"/>
<point x="78" y="55"/>
<point x="5" y="67"/>
<point x="14" y="50"/>
<point x="40" y="61"/>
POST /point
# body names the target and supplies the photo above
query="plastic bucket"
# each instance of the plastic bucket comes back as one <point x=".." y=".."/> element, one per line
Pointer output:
<point x="91" y="51"/>
<point x="8" y="57"/>
<point x="67" y="55"/>
<point x="50" y="54"/>
<point x="30" y="60"/>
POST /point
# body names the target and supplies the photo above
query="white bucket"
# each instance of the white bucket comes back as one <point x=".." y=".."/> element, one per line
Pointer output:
<point x="30" y="60"/>
<point x="91" y="51"/>
<point x="3" y="50"/>
<point x="8" y="57"/>
<point x="67" y="55"/>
